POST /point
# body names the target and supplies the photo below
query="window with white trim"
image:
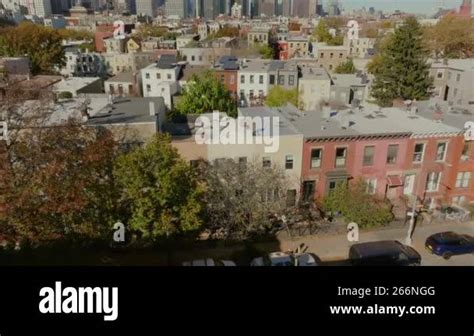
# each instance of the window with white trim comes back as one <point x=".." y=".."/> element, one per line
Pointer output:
<point x="419" y="152"/>
<point x="463" y="179"/>
<point x="441" y="151"/>
<point x="433" y="180"/>
<point x="371" y="185"/>
<point x="316" y="157"/>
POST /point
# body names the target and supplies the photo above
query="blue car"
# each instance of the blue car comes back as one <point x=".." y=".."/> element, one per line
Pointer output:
<point x="447" y="244"/>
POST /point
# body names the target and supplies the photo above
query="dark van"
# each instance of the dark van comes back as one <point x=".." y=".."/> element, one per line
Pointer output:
<point x="383" y="253"/>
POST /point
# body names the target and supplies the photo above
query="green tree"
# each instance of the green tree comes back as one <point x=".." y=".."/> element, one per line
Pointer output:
<point x="403" y="71"/>
<point x="321" y="32"/>
<point x="160" y="189"/>
<point x="356" y="205"/>
<point x="346" y="68"/>
<point x="266" y="51"/>
<point x="41" y="44"/>
<point x="278" y="96"/>
<point x="205" y="93"/>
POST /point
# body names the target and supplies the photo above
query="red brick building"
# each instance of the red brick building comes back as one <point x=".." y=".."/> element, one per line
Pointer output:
<point x="282" y="50"/>
<point x="226" y="71"/>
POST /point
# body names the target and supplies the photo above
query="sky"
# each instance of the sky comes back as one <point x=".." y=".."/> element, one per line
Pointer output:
<point x="411" y="6"/>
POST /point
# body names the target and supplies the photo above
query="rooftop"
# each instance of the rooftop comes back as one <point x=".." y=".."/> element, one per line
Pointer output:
<point x="314" y="72"/>
<point x="369" y="120"/>
<point x="73" y="83"/>
<point x="127" y="111"/>
<point x="459" y="64"/>
<point x="122" y="77"/>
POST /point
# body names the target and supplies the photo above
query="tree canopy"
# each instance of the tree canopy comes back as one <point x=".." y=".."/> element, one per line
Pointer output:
<point x="402" y="70"/>
<point x="278" y="96"/>
<point x="321" y="32"/>
<point x="346" y="68"/>
<point x="356" y="205"/>
<point x="205" y="93"/>
<point x="160" y="190"/>
<point x="41" y="44"/>
<point x="451" y="37"/>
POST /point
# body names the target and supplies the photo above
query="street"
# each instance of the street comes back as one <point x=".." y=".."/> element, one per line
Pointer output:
<point x="333" y="250"/>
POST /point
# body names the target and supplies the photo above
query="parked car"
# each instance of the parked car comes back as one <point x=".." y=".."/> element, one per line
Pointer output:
<point x="383" y="253"/>
<point x="285" y="259"/>
<point x="447" y="244"/>
<point x="209" y="262"/>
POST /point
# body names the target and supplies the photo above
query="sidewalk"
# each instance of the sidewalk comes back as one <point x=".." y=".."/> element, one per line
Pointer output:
<point x="336" y="247"/>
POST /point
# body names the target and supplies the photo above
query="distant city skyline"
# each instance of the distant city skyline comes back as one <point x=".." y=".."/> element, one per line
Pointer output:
<point x="412" y="6"/>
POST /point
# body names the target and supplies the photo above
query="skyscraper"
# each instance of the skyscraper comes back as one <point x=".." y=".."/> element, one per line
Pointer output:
<point x="42" y="8"/>
<point x="267" y="7"/>
<point x="146" y="7"/>
<point x="176" y="8"/>
<point x="313" y="5"/>
<point x="300" y="8"/>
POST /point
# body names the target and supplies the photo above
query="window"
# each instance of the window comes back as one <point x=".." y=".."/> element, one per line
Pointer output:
<point x="242" y="79"/>
<point x="200" y="58"/>
<point x="232" y="79"/>
<point x="316" y="157"/>
<point x="392" y="154"/>
<point x="340" y="55"/>
<point x="331" y="55"/>
<point x="441" y="151"/>
<point x="242" y="94"/>
<point x="439" y="74"/>
<point x="260" y="93"/>
<point x="322" y="55"/>
<point x="332" y="186"/>
<point x="168" y="76"/>
<point x="260" y="80"/>
<point x="341" y="157"/>
<point x="463" y="179"/>
<point x="148" y="88"/>
<point x="251" y="94"/>
<point x="252" y="79"/>
<point x="242" y="162"/>
<point x="459" y="200"/>
<point x="291" y="80"/>
<point x="281" y="80"/>
<point x="193" y="58"/>
<point x="419" y="151"/>
<point x="330" y="66"/>
<point x="147" y="75"/>
<point x="289" y="162"/>
<point x="291" y="197"/>
<point x="449" y="75"/>
<point x="111" y="89"/>
<point x="272" y="79"/>
<point x="458" y="77"/>
<point x="309" y="188"/>
<point x="158" y="76"/>
<point x="433" y="180"/>
<point x="371" y="185"/>
<point x="465" y="152"/>
<point x="267" y="162"/>
<point x="368" y="155"/>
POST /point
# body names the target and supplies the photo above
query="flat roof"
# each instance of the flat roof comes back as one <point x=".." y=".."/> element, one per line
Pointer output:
<point x="122" y="77"/>
<point x="74" y="83"/>
<point x="128" y="111"/>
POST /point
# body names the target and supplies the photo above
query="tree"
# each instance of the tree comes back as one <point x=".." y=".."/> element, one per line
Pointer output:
<point x="356" y="205"/>
<point x="403" y="71"/>
<point x="451" y="37"/>
<point x="242" y="199"/>
<point x="149" y="30"/>
<point x="346" y="68"/>
<point x="58" y="178"/>
<point x="266" y="51"/>
<point x="205" y="94"/>
<point x="159" y="189"/>
<point x="278" y="96"/>
<point x="41" y="44"/>
<point x="322" y="34"/>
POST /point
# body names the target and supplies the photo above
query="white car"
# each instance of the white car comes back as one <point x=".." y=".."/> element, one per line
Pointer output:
<point x="284" y="259"/>
<point x="209" y="262"/>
